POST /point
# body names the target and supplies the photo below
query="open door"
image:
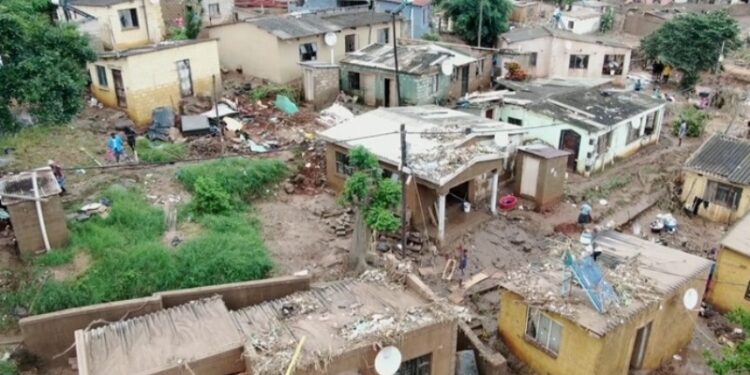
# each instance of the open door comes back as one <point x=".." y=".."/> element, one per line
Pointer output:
<point x="639" y="347"/>
<point x="464" y="80"/>
<point x="122" y="102"/>
<point x="571" y="141"/>
<point x="387" y="92"/>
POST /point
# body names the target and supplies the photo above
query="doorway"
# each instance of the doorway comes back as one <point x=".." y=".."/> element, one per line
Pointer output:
<point x="464" y="80"/>
<point x="639" y="347"/>
<point x="490" y="113"/>
<point x="387" y="92"/>
<point x="186" y="79"/>
<point x="122" y="102"/>
<point x="571" y="141"/>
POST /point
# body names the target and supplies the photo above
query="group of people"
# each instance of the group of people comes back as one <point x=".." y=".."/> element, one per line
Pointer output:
<point x="116" y="145"/>
<point x="661" y="72"/>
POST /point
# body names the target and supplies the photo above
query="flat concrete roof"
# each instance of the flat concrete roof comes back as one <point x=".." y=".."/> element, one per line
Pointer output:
<point x="167" y="44"/>
<point x="642" y="272"/>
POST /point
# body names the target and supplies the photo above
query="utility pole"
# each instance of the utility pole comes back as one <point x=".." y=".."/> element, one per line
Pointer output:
<point x="395" y="62"/>
<point x="402" y="175"/>
<point x="479" y="30"/>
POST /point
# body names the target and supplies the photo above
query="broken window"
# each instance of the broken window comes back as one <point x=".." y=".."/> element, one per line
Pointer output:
<point x="515" y="121"/>
<point x="383" y="35"/>
<point x="723" y="194"/>
<point x="603" y="143"/>
<point x="342" y="164"/>
<point x="532" y="59"/>
<point x="634" y="132"/>
<point x="214" y="11"/>
<point x="101" y="75"/>
<point x="350" y="43"/>
<point x="579" y="62"/>
<point x="417" y="366"/>
<point x="129" y="18"/>
<point x="613" y="65"/>
<point x="544" y="331"/>
<point x="435" y="83"/>
<point x="308" y="51"/>
<point x="353" y="80"/>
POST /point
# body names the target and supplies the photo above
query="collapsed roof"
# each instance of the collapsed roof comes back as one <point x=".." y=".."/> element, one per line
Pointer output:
<point x="441" y="142"/>
<point x="412" y="59"/>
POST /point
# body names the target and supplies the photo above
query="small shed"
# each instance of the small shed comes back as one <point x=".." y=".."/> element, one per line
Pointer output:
<point x="35" y="208"/>
<point x="540" y="173"/>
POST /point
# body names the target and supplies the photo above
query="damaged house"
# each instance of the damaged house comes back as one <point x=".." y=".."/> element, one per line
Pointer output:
<point x="137" y="70"/>
<point x="730" y="286"/>
<point x="545" y="52"/>
<point x="717" y="179"/>
<point x="273" y="47"/>
<point x="454" y="161"/>
<point x="597" y="125"/>
<point x="370" y="73"/>
<point x="631" y="309"/>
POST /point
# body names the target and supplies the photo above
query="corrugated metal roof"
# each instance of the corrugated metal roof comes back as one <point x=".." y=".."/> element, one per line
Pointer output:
<point x="724" y="156"/>
<point x="97" y="3"/>
<point x="290" y="26"/>
<point x="530" y="33"/>
<point x="738" y="238"/>
<point x="412" y="59"/>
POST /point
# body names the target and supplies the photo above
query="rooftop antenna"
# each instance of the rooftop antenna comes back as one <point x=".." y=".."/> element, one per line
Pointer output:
<point x="388" y="361"/>
<point x="330" y="40"/>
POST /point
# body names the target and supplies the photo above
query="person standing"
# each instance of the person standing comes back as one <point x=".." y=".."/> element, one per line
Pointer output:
<point x="682" y="132"/>
<point x="59" y="175"/>
<point x="115" y="146"/>
<point x="666" y="73"/>
<point x="463" y="261"/>
<point x="584" y="216"/>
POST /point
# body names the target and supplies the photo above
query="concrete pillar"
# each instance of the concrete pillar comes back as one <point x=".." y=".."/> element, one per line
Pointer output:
<point x="493" y="197"/>
<point x="441" y="217"/>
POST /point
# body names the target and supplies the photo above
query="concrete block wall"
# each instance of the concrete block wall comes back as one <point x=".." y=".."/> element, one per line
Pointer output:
<point x="142" y="103"/>
<point x="326" y="86"/>
<point x="23" y="216"/>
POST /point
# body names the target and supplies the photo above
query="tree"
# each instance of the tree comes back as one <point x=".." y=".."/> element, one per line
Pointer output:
<point x="465" y="15"/>
<point x="43" y="67"/>
<point x="194" y="19"/>
<point x="374" y="199"/>
<point x="607" y="20"/>
<point x="692" y="43"/>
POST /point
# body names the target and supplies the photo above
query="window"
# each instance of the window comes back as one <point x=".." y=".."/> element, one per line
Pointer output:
<point x="417" y="366"/>
<point x="579" y="62"/>
<point x="532" y="59"/>
<point x="515" y="121"/>
<point x="425" y="15"/>
<point x="603" y="143"/>
<point x="651" y="119"/>
<point x="129" y="18"/>
<point x="613" y="65"/>
<point x="383" y="35"/>
<point x="435" y="83"/>
<point x="350" y="43"/>
<point x="723" y="194"/>
<point x="571" y="25"/>
<point x="308" y="51"/>
<point x="747" y="292"/>
<point x="353" y="80"/>
<point x="214" y="11"/>
<point x="480" y="67"/>
<point x="633" y="132"/>
<point x="101" y="75"/>
<point x="342" y="164"/>
<point x="544" y="331"/>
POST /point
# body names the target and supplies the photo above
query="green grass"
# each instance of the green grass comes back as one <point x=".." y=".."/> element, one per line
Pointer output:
<point x="610" y="186"/>
<point x="35" y="145"/>
<point x="270" y="91"/>
<point x="130" y="260"/>
<point x="160" y="152"/>
<point x="8" y="368"/>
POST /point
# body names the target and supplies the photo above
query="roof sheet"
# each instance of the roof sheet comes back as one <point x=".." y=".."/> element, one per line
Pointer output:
<point x="19" y="187"/>
<point x="438" y="146"/>
<point x="738" y="238"/>
<point x="97" y="3"/>
<point x="164" y="45"/>
<point x="290" y="26"/>
<point x="607" y="107"/>
<point x="724" y="156"/>
<point x="530" y="33"/>
<point x="412" y="59"/>
<point x="336" y="318"/>
<point x="544" y="151"/>
<point x="642" y="271"/>
<point x="156" y="342"/>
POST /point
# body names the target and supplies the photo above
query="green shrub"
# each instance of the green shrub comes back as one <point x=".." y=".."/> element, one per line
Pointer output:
<point x="740" y="316"/>
<point x="696" y="122"/>
<point x="432" y="37"/>
<point x="210" y="197"/>
<point x="270" y="91"/>
<point x="160" y="152"/>
<point x="240" y="177"/>
<point x="8" y="368"/>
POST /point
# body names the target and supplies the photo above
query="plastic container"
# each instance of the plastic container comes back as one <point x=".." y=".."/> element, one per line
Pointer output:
<point x="508" y="202"/>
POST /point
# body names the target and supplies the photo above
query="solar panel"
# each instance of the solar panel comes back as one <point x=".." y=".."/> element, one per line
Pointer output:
<point x="591" y="278"/>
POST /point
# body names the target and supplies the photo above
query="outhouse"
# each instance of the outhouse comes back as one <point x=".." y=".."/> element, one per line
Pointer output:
<point x="540" y="174"/>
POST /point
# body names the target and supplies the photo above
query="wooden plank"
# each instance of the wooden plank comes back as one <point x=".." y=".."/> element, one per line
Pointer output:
<point x="475" y="279"/>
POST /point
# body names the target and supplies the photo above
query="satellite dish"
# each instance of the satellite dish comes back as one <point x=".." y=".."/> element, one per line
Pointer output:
<point x="388" y="361"/>
<point x="635" y="124"/>
<point x="330" y="39"/>
<point x="447" y="68"/>
<point x="690" y="299"/>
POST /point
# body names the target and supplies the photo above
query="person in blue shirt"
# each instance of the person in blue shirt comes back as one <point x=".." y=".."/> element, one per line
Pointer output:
<point x="584" y="217"/>
<point x="116" y="146"/>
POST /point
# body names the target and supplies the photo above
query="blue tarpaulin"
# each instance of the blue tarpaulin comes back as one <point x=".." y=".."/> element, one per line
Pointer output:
<point x="285" y="104"/>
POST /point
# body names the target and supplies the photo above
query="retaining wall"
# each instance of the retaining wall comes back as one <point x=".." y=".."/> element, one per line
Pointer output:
<point x="48" y="335"/>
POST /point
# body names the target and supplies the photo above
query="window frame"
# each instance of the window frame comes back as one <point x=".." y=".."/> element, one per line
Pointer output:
<point x="536" y="341"/>
<point x="634" y="134"/>
<point x="347" y="38"/>
<point x="101" y="76"/>
<point x="211" y="14"/>
<point x="435" y="84"/>
<point x="533" y="56"/>
<point x="385" y="32"/>
<point x="619" y="58"/>
<point x="133" y="16"/>
<point x="354" y="77"/>
<point x="343" y="166"/>
<point x="715" y="188"/>
<point x="571" y="24"/>
<point x="515" y="121"/>
<point x="310" y="54"/>
<point x="572" y="62"/>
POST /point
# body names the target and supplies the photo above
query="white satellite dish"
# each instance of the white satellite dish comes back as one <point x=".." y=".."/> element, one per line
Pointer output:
<point x="330" y="39"/>
<point x="447" y="68"/>
<point x="690" y="299"/>
<point x="635" y="124"/>
<point x="388" y="361"/>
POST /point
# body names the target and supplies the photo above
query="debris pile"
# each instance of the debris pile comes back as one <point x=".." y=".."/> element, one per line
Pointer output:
<point x="342" y="224"/>
<point x="311" y="173"/>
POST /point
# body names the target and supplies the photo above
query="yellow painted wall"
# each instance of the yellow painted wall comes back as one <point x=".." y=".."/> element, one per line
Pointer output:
<point x="582" y="352"/>
<point x="151" y="79"/>
<point x="150" y="21"/>
<point x="695" y="186"/>
<point x="261" y="54"/>
<point x="732" y="277"/>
